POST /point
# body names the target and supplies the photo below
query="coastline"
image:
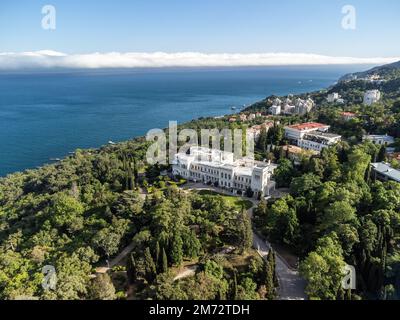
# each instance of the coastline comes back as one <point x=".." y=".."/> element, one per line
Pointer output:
<point x="124" y="133"/>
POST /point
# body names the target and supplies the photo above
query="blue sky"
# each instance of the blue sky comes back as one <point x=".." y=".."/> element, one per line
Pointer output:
<point x="209" y="26"/>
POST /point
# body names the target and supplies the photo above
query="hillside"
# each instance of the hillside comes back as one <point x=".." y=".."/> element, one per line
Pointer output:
<point x="385" y="78"/>
<point x="386" y="72"/>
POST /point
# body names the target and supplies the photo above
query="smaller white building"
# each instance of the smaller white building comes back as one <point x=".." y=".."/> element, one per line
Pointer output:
<point x="371" y="97"/>
<point x="288" y="109"/>
<point x="303" y="107"/>
<point x="347" y="116"/>
<point x="277" y="102"/>
<point x="383" y="140"/>
<point x="385" y="172"/>
<point x="318" y="141"/>
<point x="275" y="110"/>
<point x="332" y="97"/>
<point x="257" y="129"/>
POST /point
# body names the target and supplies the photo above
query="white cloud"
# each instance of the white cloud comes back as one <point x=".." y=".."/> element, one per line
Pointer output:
<point x="53" y="59"/>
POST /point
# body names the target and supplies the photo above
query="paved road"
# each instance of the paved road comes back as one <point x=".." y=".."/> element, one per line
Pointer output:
<point x="117" y="259"/>
<point x="291" y="285"/>
<point x="186" y="272"/>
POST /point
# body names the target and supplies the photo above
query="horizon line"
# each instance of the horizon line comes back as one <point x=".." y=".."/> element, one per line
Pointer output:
<point x="49" y="59"/>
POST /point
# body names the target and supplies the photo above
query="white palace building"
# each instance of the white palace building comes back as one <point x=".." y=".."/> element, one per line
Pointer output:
<point x="221" y="169"/>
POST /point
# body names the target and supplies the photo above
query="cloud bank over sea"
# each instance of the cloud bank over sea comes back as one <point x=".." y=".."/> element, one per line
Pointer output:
<point x="47" y="59"/>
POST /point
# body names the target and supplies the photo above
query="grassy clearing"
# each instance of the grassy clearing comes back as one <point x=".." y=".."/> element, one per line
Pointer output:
<point x="231" y="200"/>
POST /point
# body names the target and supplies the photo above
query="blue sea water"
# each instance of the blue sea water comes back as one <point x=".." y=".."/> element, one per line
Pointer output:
<point x="47" y="115"/>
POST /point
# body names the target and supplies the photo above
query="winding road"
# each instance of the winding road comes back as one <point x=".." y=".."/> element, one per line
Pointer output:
<point x="291" y="285"/>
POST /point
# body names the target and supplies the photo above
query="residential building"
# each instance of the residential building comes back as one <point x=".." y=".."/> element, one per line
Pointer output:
<point x="318" y="140"/>
<point x="288" y="101"/>
<point x="288" y="106"/>
<point x="252" y="116"/>
<point x="394" y="156"/>
<point x="275" y="110"/>
<point x="385" y="172"/>
<point x="303" y="107"/>
<point x="277" y="102"/>
<point x="256" y="130"/>
<point x="297" y="131"/>
<point x="347" y="116"/>
<point x="371" y="97"/>
<point x="379" y="139"/>
<point x="332" y="97"/>
<point x="211" y="166"/>
<point x="311" y="136"/>
<point x="243" y="117"/>
<point x="288" y="109"/>
<point x="296" y="153"/>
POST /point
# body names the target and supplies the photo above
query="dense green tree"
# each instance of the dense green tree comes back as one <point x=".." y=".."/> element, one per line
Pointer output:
<point x="281" y="221"/>
<point x="72" y="278"/>
<point x="284" y="173"/>
<point x="177" y="249"/>
<point x="101" y="288"/>
<point x="338" y="212"/>
<point x="324" y="269"/>
<point x="67" y="213"/>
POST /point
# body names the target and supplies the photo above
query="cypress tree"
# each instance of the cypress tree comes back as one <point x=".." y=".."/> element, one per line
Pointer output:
<point x="275" y="277"/>
<point x="381" y="154"/>
<point x="164" y="262"/>
<point x="340" y="294"/>
<point x="348" y="294"/>
<point x="262" y="140"/>
<point x="234" y="286"/>
<point x="245" y="231"/>
<point x="131" y="268"/>
<point x="150" y="266"/>
<point x="157" y="256"/>
<point x="177" y="249"/>
<point x="269" y="275"/>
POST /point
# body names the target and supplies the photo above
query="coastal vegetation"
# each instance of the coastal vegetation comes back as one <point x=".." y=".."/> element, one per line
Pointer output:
<point x="80" y="213"/>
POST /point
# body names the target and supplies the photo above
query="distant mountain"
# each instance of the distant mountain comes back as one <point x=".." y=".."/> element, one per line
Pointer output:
<point x="387" y="72"/>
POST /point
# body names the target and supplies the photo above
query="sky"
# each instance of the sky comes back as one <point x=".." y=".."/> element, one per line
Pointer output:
<point x="201" y="26"/>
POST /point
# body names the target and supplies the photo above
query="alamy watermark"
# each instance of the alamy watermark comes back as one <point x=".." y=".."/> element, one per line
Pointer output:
<point x="349" y="20"/>
<point x="349" y="278"/>
<point x="49" y="281"/>
<point x="49" y="18"/>
<point x="165" y="146"/>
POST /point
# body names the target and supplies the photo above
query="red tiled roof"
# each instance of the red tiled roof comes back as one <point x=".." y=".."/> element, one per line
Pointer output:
<point x="348" y="114"/>
<point x="308" y="126"/>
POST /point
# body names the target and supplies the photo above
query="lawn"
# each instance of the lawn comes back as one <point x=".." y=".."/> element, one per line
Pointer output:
<point x="231" y="200"/>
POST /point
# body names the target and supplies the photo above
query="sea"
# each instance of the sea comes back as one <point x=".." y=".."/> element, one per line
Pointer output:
<point x="46" y="115"/>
